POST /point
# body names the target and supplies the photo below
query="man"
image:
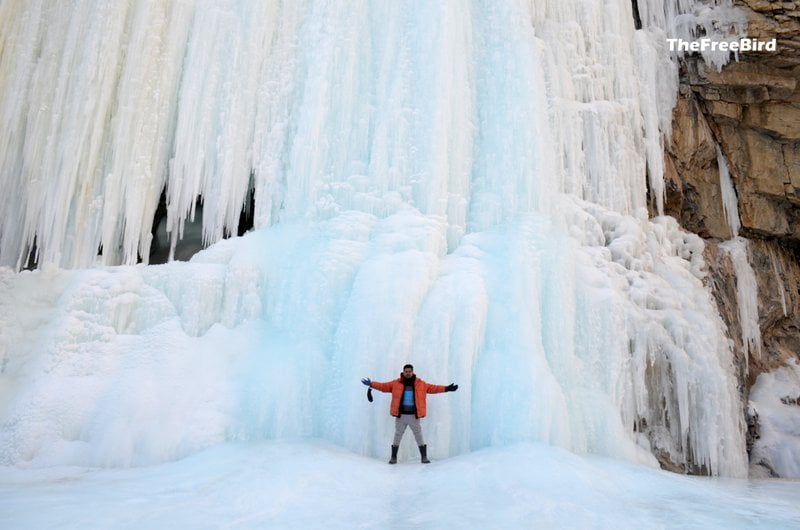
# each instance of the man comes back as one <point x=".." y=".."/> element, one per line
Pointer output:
<point x="408" y="406"/>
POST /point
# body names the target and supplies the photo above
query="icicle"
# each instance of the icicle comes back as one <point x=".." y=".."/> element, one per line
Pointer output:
<point x="730" y="203"/>
<point x="746" y="295"/>
<point x="773" y="258"/>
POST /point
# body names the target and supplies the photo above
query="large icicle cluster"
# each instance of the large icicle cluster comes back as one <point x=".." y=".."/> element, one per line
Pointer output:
<point x="318" y="108"/>
<point x="645" y="278"/>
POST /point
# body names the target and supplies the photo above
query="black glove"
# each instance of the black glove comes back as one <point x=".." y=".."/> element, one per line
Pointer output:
<point x="366" y="381"/>
<point x="452" y="387"/>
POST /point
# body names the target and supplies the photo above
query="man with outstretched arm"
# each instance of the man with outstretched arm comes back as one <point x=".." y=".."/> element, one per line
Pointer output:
<point x="408" y="406"/>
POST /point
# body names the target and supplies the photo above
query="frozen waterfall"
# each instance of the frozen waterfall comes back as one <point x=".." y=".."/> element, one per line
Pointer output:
<point x="321" y="108"/>
<point x="458" y="185"/>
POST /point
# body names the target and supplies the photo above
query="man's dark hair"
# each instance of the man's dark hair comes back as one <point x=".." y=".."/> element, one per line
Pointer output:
<point x="408" y="366"/>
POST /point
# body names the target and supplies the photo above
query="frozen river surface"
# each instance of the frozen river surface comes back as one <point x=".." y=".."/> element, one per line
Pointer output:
<point x="311" y="484"/>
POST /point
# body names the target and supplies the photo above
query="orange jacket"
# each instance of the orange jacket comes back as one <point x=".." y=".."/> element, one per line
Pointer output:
<point x="421" y="389"/>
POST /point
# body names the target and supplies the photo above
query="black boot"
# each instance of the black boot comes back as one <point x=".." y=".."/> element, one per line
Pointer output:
<point x="393" y="460"/>
<point x="423" y="451"/>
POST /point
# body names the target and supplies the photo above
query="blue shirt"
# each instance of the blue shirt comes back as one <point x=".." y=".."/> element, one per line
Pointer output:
<point x="407" y="404"/>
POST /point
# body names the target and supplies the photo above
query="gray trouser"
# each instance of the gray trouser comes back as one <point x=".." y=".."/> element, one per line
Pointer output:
<point x="400" y="424"/>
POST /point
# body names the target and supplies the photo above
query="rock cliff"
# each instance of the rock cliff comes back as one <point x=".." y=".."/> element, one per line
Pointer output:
<point x="749" y="112"/>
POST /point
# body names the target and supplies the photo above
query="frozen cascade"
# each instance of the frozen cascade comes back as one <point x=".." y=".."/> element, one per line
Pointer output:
<point x="773" y="257"/>
<point x="730" y="202"/>
<point x="746" y="294"/>
<point x="736" y="247"/>
<point x="398" y="220"/>
<point x="318" y="109"/>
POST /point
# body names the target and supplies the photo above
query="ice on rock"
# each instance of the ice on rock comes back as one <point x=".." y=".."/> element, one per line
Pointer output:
<point x="688" y="20"/>
<point x="730" y="202"/>
<point x="654" y="286"/>
<point x="746" y="295"/>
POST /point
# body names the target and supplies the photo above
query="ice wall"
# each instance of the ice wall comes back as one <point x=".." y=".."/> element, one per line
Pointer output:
<point x="456" y="185"/>
<point x="601" y="341"/>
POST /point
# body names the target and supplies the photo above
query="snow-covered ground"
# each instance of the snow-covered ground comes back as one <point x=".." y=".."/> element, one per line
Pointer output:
<point x="313" y="484"/>
<point x="776" y="399"/>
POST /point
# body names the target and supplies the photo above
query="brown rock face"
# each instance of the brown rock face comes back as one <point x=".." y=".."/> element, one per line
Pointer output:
<point x="751" y="110"/>
<point x="692" y="175"/>
<point x="759" y="136"/>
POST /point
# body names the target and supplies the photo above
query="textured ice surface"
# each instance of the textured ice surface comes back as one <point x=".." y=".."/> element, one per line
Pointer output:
<point x="292" y="484"/>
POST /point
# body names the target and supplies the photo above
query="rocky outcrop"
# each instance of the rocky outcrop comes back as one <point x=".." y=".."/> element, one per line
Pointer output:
<point x="779" y="19"/>
<point x="751" y="111"/>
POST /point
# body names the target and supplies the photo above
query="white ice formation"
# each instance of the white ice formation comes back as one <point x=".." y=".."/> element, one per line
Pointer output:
<point x="320" y="108"/>
<point x="457" y="185"/>
<point x="746" y="295"/>
<point x="736" y="248"/>
<point x="730" y="201"/>
<point x="776" y="399"/>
